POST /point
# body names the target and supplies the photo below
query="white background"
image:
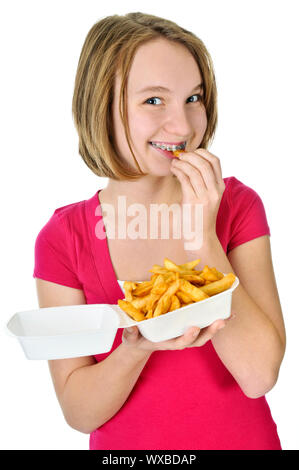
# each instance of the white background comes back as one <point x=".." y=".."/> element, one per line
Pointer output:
<point x="254" y="46"/>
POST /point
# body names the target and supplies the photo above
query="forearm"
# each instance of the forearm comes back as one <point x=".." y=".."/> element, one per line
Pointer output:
<point x="93" y="394"/>
<point x="249" y="346"/>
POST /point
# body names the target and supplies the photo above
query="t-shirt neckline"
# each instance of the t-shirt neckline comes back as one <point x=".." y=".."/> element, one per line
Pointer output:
<point x="100" y="251"/>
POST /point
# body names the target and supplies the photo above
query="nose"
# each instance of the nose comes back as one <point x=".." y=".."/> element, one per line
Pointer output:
<point x="178" y="123"/>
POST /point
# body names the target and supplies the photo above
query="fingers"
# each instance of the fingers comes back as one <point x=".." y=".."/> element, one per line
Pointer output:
<point x="214" y="161"/>
<point x="195" y="337"/>
<point x="192" y="160"/>
<point x="208" y="166"/>
<point x="187" y="188"/>
<point x="192" y="176"/>
<point x="208" y="333"/>
<point x="182" y="341"/>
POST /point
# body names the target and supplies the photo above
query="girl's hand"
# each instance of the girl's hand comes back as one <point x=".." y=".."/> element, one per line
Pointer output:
<point x="200" y="175"/>
<point x="193" y="337"/>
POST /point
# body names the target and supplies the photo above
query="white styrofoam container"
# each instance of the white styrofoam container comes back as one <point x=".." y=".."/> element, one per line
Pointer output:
<point x="86" y="330"/>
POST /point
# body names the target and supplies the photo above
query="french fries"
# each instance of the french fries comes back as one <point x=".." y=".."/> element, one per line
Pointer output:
<point x="171" y="287"/>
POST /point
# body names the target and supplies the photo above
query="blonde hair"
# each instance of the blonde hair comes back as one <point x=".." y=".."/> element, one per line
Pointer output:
<point x="110" y="47"/>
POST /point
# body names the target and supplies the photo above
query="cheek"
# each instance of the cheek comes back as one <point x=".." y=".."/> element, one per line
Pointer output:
<point x="202" y="124"/>
<point x="202" y="120"/>
<point x="143" y="125"/>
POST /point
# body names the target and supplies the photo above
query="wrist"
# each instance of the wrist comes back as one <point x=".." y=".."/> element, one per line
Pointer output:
<point x="133" y="354"/>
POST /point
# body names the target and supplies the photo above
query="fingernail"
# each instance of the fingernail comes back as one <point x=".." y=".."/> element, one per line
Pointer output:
<point x="130" y="330"/>
<point x="195" y="332"/>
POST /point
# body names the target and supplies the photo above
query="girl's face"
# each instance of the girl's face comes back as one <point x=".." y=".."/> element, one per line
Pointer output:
<point x="172" y="114"/>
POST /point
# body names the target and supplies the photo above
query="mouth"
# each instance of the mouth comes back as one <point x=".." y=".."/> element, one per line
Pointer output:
<point x="169" y="145"/>
<point x="168" y="149"/>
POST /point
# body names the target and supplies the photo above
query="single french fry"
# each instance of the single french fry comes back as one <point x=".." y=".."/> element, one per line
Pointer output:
<point x="156" y="269"/>
<point x="218" y="273"/>
<point x="162" y="306"/>
<point x="163" y="302"/>
<point x="153" y="303"/>
<point x="194" y="292"/>
<point x="162" y="283"/>
<point x="140" y="302"/>
<point x="170" y="276"/>
<point x="128" y="288"/>
<point x="171" y="266"/>
<point x="175" y="303"/>
<point x="143" y="288"/>
<point x="130" y="285"/>
<point x="149" y="314"/>
<point x="183" y="297"/>
<point x="159" y="289"/>
<point x="190" y="272"/>
<point x="159" y="279"/>
<point x="159" y="308"/>
<point x="161" y="270"/>
<point x="197" y="283"/>
<point x="189" y="265"/>
<point x="208" y="274"/>
<point x="193" y="277"/>
<point x="219" y="286"/>
<point x="130" y="310"/>
<point x="167" y="303"/>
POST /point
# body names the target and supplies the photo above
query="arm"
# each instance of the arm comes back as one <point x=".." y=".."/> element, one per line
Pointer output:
<point x="252" y="345"/>
<point x="90" y="393"/>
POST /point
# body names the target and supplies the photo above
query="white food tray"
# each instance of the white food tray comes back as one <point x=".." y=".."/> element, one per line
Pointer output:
<point x="90" y="329"/>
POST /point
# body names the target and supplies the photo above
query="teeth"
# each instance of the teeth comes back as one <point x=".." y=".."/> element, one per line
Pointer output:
<point x="170" y="148"/>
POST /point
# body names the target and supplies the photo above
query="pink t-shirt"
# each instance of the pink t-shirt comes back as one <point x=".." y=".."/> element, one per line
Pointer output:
<point x="182" y="399"/>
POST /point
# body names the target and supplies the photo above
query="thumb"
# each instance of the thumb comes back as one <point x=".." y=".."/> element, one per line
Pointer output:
<point x="131" y="333"/>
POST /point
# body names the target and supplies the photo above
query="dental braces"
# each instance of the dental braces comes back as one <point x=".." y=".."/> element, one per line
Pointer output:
<point x="170" y="148"/>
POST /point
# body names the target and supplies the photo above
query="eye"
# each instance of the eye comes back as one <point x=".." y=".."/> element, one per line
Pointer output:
<point x="151" y="99"/>
<point x="199" y="98"/>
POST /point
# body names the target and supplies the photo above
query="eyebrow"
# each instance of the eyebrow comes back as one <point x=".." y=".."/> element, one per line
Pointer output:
<point x="162" y="88"/>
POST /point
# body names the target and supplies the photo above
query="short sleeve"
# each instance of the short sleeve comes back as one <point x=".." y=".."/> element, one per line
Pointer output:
<point x="249" y="218"/>
<point x="53" y="254"/>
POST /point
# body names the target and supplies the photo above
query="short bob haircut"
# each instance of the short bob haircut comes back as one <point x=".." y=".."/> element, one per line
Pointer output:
<point x="110" y="47"/>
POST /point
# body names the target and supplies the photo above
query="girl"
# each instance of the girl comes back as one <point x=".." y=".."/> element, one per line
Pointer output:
<point x="144" y="83"/>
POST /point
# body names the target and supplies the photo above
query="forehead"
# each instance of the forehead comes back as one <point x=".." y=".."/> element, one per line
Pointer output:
<point x="164" y="63"/>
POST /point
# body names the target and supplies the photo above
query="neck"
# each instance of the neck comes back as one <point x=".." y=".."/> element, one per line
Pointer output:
<point x="147" y="190"/>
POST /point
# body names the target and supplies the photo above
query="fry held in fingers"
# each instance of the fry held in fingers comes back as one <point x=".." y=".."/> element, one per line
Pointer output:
<point x="177" y="153"/>
<point x="171" y="287"/>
